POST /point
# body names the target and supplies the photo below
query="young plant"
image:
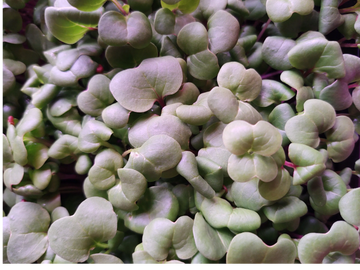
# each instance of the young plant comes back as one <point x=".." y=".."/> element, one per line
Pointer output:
<point x="178" y="131"/>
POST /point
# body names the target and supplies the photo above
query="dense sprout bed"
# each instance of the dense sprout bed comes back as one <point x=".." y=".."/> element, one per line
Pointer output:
<point x="181" y="131"/>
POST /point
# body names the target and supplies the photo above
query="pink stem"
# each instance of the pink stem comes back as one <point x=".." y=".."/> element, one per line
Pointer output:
<point x="263" y="29"/>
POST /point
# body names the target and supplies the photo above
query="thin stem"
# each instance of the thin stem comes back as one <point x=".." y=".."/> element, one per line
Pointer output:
<point x="117" y="4"/>
<point x="343" y="2"/>
<point x="161" y="102"/>
<point x="102" y="245"/>
<point x="342" y="40"/>
<point x="289" y="164"/>
<point x="38" y="140"/>
<point x="348" y="10"/>
<point x="263" y="30"/>
<point x="353" y="85"/>
<point x="268" y="75"/>
<point x="350" y="45"/>
<point x="307" y="73"/>
<point x="108" y="145"/>
<point x="126" y="152"/>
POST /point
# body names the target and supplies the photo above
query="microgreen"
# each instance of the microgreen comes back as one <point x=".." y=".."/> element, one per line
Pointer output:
<point x="179" y="131"/>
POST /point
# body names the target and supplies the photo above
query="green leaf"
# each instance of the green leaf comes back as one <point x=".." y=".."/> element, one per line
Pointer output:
<point x="69" y="24"/>
<point x="247" y="247"/>
<point x="220" y="214"/>
<point x="7" y="152"/>
<point x="17" y="146"/>
<point x="187" y="168"/>
<point x="212" y="173"/>
<point x="309" y="162"/>
<point x="29" y="223"/>
<point x="211" y="243"/>
<point x="331" y="187"/>
<point x="277" y="188"/>
<point x="12" y="20"/>
<point x="246" y="167"/>
<point x="92" y="135"/>
<point x="87" y="5"/>
<point x="356" y="97"/>
<point x="72" y="238"/>
<point x="285" y="209"/>
<point x="223" y="31"/>
<point x="83" y="67"/>
<point x="103" y="172"/>
<point x="157" y="155"/>
<point x="165" y="124"/>
<point x="197" y="33"/>
<point x="64" y="146"/>
<point x="164" y="21"/>
<point x="41" y="177"/>
<point x="157" y="202"/>
<point x="329" y="16"/>
<point x="154" y="79"/>
<point x="141" y="256"/>
<point x="280" y="11"/>
<point x="244" y="83"/>
<point x="169" y="47"/>
<point x="349" y="206"/>
<point x="248" y="113"/>
<point x="196" y="114"/>
<point x="162" y="234"/>
<point x="29" y="122"/>
<point x="275" y="50"/>
<point x="115" y="116"/>
<point x="315" y="52"/>
<point x="246" y="195"/>
<point x="340" y="139"/>
<point x="12" y="38"/>
<point x="44" y="95"/>
<point x="305" y="128"/>
<point x="96" y="97"/>
<point x="278" y="118"/>
<point x="324" y="243"/>
<point x="273" y="92"/>
<point x="185" y="6"/>
<point x="261" y="138"/>
<point x="337" y="94"/>
<point x="13" y="175"/>
<point x="219" y="155"/>
<point x="207" y="8"/>
<point x="203" y="65"/>
<point x="101" y="258"/>
<point x="301" y="129"/>
<point x="129" y="57"/>
<point x="187" y="95"/>
<point x="117" y="30"/>
<point x="223" y="103"/>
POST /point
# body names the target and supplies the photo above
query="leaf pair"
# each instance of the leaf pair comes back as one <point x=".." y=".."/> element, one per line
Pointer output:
<point x="252" y="147"/>
<point x="318" y="117"/>
<point x="137" y="89"/>
<point x="31" y="120"/>
<point x="115" y="29"/>
<point x="74" y="236"/>
<point x="220" y="214"/>
<point x="161" y="235"/>
<point x="158" y="154"/>
<point x="27" y="224"/>
<point x="326" y="243"/>
<point x="249" y="248"/>
<point x="69" y="24"/>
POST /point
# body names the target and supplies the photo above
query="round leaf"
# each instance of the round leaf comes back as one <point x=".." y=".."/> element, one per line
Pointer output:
<point x="249" y="248"/>
<point x="154" y="79"/>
